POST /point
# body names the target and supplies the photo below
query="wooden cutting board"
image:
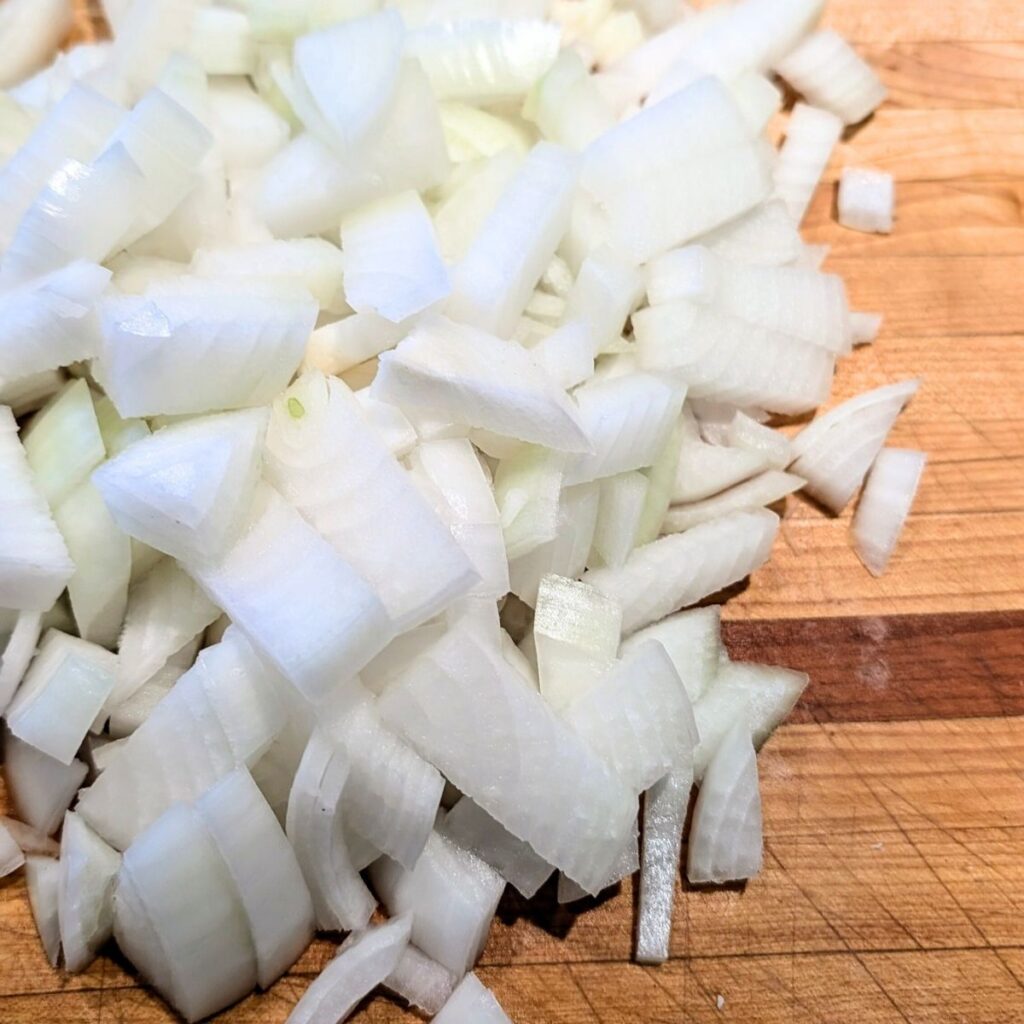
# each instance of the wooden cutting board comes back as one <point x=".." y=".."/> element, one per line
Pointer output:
<point x="894" y="801"/>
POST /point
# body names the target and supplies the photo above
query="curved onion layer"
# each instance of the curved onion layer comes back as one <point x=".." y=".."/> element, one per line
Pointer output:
<point x="829" y="73"/>
<point x="834" y="453"/>
<point x="811" y="135"/>
<point x="40" y="786"/>
<point x="472" y="1003"/>
<point x="42" y="877"/>
<point x="366" y="960"/>
<point x="759" y="492"/>
<point x="420" y="981"/>
<point x="885" y="504"/>
<point x="682" y="569"/>
<point x="765" y="236"/>
<point x="18" y="652"/>
<point x="725" y="843"/>
<point x="706" y="469"/>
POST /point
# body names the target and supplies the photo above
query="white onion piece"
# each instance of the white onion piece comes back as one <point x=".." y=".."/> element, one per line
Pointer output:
<point x="401" y="652"/>
<point x="351" y="72"/>
<point x="475" y="378"/>
<point x="186" y="489"/>
<point x="637" y="717"/>
<point x="622" y="502"/>
<point x="314" y="827"/>
<point x="11" y="855"/>
<point x="746" y="433"/>
<point x="365" y="505"/>
<point x="386" y="774"/>
<point x="484" y="60"/>
<point x="579" y="824"/>
<point x="793" y="301"/>
<point x="29" y="394"/>
<point x="308" y="187"/>
<point x="117" y="433"/>
<point x="392" y="263"/>
<point x="165" y="611"/>
<point x="193" y="941"/>
<point x="471" y="827"/>
<point x="527" y="489"/>
<point x="247" y="130"/>
<point x="30" y="33"/>
<point x="576" y="632"/>
<point x="811" y="135"/>
<point x="40" y="786"/>
<point x="42" y="877"/>
<point x="493" y="282"/>
<point x="765" y="236"/>
<point x="759" y="492"/>
<point x="88" y="870"/>
<point x="865" y="327"/>
<point x="661" y="477"/>
<point x="344" y="344"/>
<point x="34" y="562"/>
<point x="283" y="584"/>
<point x="567" y="105"/>
<point x="626" y="863"/>
<point x="127" y="716"/>
<point x="827" y="71"/>
<point x="866" y="200"/>
<point x="757" y="96"/>
<point x="390" y="423"/>
<point x="181" y="352"/>
<point x="759" y="695"/>
<point x="472" y="1003"/>
<point x="682" y="569"/>
<point x="63" y="443"/>
<point x="29" y="839"/>
<point x="264" y="869"/>
<point x="224" y="712"/>
<point x="606" y="290"/>
<point x="707" y="469"/>
<point x="49" y="322"/>
<point x="885" y="504"/>
<point x="725" y="842"/>
<point x="628" y="420"/>
<point x="834" y="453"/>
<point x="366" y="960"/>
<point x="420" y="981"/>
<point x="567" y="355"/>
<point x="460" y="491"/>
<point x="471" y="133"/>
<point x="311" y="263"/>
<point x="726" y="359"/>
<point x="17" y="653"/>
<point x="451" y="895"/>
<point x="62" y="695"/>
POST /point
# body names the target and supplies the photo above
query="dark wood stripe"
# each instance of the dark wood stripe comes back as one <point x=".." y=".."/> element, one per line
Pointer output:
<point x="889" y="668"/>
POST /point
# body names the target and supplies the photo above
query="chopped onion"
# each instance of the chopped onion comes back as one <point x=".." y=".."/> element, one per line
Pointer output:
<point x="706" y="469"/>
<point x="567" y="105"/>
<point x="811" y="135"/>
<point x="622" y="502"/>
<point x="420" y="981"/>
<point x="42" y="876"/>
<point x="527" y="489"/>
<point x="745" y="432"/>
<point x="11" y="855"/>
<point x="17" y="653"/>
<point x="29" y="839"/>
<point x="885" y="504"/>
<point x="765" y="236"/>
<point x="758" y="492"/>
<point x="41" y="787"/>
<point x="472" y="1003"/>
<point x="865" y="327"/>
<point x="866" y="200"/>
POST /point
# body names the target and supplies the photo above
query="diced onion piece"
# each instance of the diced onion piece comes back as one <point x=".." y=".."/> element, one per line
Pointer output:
<point x="390" y="423"/>
<point x="11" y="855"/>
<point x="186" y="489"/>
<point x="62" y="695"/>
<point x="34" y="562"/>
<point x="618" y="518"/>
<point x="308" y="187"/>
<point x="420" y="981"/>
<point x="471" y="827"/>
<point x="351" y="72"/>
<point x="263" y="867"/>
<point x="759" y="695"/>
<point x="127" y="716"/>
<point x="811" y="135"/>
<point x="493" y="282"/>
<point x="247" y="130"/>
<point x="576" y="632"/>
<point x="865" y="327"/>
<point x="527" y="489"/>
<point x="765" y="236"/>
<point x="42" y="876"/>
<point x="725" y="842"/>
<point x="471" y="133"/>
<point x="567" y="355"/>
<point x="28" y="394"/>
<point x="605" y="292"/>
<point x="579" y="824"/>
<point x="885" y="504"/>
<point x="29" y="839"/>
<point x="682" y="569"/>
<point x="567" y="105"/>
<point x="746" y="433"/>
<point x="485" y="60"/>
<point x="833" y="454"/>
<point x="179" y="919"/>
<point x="224" y="712"/>
<point x="637" y="717"/>
<point x="451" y="896"/>
<point x="827" y="71"/>
<point x="166" y="610"/>
<point x="866" y="200"/>
<point x="88" y="870"/>
<point x="181" y="350"/>
<point x="392" y="264"/>
<point x="364" y="962"/>
<point x="475" y="378"/>
<point x="40" y="786"/>
<point x="344" y="344"/>
<point x="726" y="359"/>
<point x="707" y="469"/>
<point x="365" y="506"/>
<point x="692" y="641"/>
<point x="472" y="1003"/>
<point x="661" y="477"/>
<point x="759" y="492"/>
<point x="30" y="33"/>
<point x="222" y="41"/>
<point x="17" y="653"/>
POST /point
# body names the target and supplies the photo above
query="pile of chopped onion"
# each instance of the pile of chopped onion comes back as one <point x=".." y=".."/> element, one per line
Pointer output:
<point x="386" y="391"/>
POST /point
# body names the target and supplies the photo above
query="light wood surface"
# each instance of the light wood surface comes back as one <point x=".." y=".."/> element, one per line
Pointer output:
<point x="894" y="803"/>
